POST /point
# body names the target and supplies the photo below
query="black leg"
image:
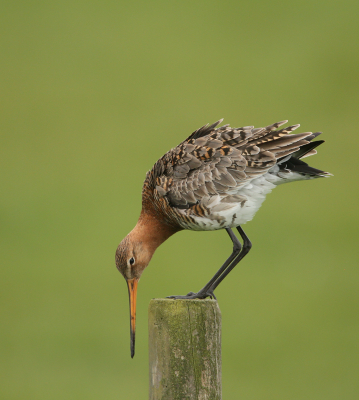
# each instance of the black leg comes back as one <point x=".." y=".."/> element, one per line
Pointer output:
<point x="236" y="250"/>
<point x="247" y="245"/>
<point x="207" y="290"/>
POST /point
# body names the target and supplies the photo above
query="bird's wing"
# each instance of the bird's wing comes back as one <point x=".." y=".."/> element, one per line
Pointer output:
<point x="214" y="161"/>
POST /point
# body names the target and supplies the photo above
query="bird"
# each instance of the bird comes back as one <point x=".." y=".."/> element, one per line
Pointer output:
<point x="215" y="179"/>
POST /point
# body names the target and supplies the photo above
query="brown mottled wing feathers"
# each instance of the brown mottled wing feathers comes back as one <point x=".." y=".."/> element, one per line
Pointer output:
<point x="215" y="160"/>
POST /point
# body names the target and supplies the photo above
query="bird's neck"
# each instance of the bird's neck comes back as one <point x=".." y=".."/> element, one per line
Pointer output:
<point x="151" y="232"/>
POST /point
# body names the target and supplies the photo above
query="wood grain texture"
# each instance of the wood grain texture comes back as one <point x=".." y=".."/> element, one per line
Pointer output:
<point x="184" y="350"/>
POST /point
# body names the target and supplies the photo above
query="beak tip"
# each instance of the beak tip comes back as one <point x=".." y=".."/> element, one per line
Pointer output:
<point x="132" y="347"/>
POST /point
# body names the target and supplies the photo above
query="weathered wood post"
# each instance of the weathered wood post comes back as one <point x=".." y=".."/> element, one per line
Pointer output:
<point x="185" y="349"/>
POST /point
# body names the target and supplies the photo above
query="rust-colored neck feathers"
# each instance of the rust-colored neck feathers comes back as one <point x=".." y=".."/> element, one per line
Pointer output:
<point x="151" y="232"/>
<point x="144" y="239"/>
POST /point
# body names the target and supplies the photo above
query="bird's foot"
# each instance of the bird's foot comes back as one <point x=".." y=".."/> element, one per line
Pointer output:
<point x="191" y="296"/>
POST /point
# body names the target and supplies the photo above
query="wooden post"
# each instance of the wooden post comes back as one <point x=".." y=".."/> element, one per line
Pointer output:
<point x="185" y="349"/>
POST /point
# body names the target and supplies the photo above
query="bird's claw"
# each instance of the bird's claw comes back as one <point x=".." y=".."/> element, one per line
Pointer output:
<point x="211" y="294"/>
<point x="192" y="296"/>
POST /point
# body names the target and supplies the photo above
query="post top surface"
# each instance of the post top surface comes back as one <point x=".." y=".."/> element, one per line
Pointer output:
<point x="185" y="300"/>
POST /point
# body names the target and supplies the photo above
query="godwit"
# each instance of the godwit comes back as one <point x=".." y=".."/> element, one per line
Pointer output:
<point x="216" y="179"/>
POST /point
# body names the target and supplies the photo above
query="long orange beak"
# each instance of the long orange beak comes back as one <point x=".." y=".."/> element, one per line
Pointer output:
<point x="132" y="294"/>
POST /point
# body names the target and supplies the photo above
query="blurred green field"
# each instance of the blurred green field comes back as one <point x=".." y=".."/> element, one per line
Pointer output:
<point x="92" y="94"/>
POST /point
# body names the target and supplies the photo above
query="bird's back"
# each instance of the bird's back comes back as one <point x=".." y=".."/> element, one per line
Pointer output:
<point x="218" y="177"/>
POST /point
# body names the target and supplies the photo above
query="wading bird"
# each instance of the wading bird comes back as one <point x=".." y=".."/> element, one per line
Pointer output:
<point x="216" y="179"/>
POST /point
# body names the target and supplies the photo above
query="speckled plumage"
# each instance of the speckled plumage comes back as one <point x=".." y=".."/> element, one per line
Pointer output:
<point x="218" y="177"/>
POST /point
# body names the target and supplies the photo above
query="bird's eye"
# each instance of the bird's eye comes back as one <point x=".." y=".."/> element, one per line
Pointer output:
<point x="132" y="261"/>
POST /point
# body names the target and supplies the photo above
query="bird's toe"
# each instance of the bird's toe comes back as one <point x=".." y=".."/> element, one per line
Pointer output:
<point x="188" y="296"/>
<point x="192" y="296"/>
<point x="211" y="294"/>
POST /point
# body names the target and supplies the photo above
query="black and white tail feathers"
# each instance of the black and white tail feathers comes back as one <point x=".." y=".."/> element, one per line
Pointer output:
<point x="294" y="163"/>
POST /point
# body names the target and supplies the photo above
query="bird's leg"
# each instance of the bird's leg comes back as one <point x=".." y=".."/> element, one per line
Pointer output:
<point x="247" y="245"/>
<point x="223" y="272"/>
<point x="207" y="290"/>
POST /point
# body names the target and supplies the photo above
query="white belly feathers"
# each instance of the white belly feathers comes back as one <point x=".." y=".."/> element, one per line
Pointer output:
<point x="226" y="211"/>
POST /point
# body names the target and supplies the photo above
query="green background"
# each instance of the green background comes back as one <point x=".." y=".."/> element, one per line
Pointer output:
<point x="92" y="94"/>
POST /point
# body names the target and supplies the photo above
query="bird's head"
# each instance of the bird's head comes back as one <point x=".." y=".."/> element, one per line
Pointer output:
<point x="132" y="257"/>
<point x="134" y="253"/>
